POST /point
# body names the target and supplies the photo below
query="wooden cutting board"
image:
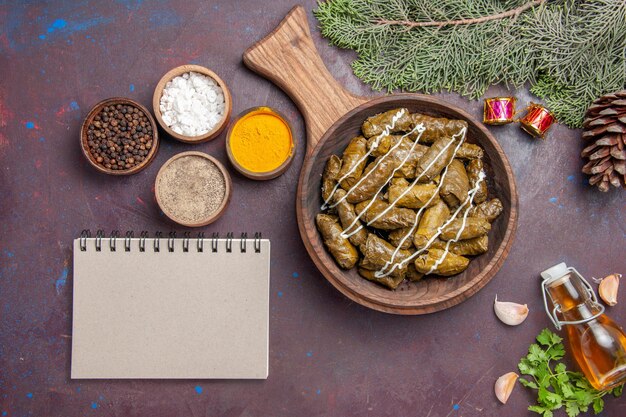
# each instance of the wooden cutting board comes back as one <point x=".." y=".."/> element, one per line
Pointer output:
<point x="288" y="57"/>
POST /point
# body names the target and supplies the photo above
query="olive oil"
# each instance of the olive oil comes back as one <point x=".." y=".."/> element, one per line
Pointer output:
<point x="597" y="343"/>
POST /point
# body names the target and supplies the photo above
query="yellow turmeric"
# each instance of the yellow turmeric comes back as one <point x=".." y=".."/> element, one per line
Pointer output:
<point x="261" y="140"/>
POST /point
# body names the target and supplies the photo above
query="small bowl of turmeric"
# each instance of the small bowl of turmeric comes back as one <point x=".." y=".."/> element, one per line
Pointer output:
<point x="260" y="143"/>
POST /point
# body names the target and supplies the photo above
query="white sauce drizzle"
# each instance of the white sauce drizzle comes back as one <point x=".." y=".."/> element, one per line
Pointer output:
<point x="469" y="199"/>
<point x="381" y="273"/>
<point x="375" y="144"/>
<point x="471" y="195"/>
<point x="415" y="181"/>
<point x="420" y="128"/>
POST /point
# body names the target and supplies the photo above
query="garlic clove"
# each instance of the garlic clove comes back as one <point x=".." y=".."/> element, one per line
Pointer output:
<point x="608" y="289"/>
<point x="504" y="386"/>
<point x="510" y="313"/>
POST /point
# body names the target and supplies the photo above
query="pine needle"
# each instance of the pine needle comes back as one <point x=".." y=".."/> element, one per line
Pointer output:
<point x="570" y="52"/>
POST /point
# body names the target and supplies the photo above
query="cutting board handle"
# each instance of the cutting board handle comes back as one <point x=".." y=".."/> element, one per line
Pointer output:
<point x="288" y="57"/>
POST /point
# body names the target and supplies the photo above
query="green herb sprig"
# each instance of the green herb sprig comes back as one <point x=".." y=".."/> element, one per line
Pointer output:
<point x="557" y="387"/>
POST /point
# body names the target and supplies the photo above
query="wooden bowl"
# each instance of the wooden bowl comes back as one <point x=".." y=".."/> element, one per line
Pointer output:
<point x="260" y="176"/>
<point x="429" y="294"/>
<point x="97" y="109"/>
<point x="158" y="92"/>
<point x="333" y="116"/>
<point x="213" y="215"/>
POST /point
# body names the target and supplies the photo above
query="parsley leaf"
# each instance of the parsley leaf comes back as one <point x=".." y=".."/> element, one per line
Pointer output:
<point x="598" y="405"/>
<point x="556" y="386"/>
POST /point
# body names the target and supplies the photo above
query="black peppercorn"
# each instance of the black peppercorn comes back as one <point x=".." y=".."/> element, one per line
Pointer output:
<point x="115" y="134"/>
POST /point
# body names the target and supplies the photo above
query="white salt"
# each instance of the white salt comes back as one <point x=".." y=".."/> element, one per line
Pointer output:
<point x="192" y="104"/>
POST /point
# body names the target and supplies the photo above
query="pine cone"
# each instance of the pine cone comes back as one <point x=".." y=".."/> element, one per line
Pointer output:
<point x="605" y="126"/>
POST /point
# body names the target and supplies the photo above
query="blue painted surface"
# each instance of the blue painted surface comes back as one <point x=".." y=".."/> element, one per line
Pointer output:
<point x="30" y="125"/>
<point x="62" y="280"/>
<point x="198" y="389"/>
<point x="553" y="199"/>
<point x="71" y="26"/>
<point x="309" y="354"/>
<point x="295" y="275"/>
<point x="280" y="293"/>
<point x="74" y="106"/>
<point x="131" y="87"/>
<point x="56" y="25"/>
<point x="94" y="405"/>
<point x="571" y="178"/>
<point x="455" y="407"/>
<point x="29" y="395"/>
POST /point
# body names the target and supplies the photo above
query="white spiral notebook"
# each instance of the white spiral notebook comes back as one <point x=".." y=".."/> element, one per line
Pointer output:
<point x="166" y="307"/>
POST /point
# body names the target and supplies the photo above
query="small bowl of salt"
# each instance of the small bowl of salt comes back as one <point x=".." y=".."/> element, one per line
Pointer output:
<point x="192" y="104"/>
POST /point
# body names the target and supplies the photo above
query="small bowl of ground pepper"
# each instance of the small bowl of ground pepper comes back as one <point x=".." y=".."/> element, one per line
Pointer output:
<point x="193" y="189"/>
<point x="260" y="143"/>
<point x="119" y="136"/>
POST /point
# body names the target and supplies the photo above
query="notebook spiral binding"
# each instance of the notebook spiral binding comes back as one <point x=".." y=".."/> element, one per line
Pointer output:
<point x="158" y="236"/>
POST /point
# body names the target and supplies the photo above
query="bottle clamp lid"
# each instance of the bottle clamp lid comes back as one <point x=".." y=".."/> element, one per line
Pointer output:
<point x="552" y="274"/>
<point x="557" y="271"/>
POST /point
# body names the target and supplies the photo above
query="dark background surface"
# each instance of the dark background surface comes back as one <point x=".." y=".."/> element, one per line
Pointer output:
<point x="328" y="356"/>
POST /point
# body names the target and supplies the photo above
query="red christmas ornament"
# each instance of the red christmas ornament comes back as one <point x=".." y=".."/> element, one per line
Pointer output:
<point x="537" y="121"/>
<point x="499" y="110"/>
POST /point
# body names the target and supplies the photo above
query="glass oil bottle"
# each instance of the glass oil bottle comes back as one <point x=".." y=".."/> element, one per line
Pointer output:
<point x="597" y="343"/>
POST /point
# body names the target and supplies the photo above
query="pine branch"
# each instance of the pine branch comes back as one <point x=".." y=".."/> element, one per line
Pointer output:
<point x="569" y="51"/>
<point x="503" y="15"/>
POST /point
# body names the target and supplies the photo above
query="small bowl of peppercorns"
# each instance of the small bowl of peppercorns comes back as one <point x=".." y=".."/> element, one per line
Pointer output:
<point x="119" y="136"/>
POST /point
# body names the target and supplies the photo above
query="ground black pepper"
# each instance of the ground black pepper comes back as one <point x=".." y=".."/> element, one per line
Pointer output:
<point x="120" y="137"/>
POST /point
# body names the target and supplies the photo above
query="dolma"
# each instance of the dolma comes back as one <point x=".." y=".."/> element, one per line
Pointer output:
<point x="451" y="264"/>
<point x="374" y="177"/>
<point x="353" y="162"/>
<point x="470" y="227"/>
<point x="469" y="151"/>
<point x="342" y="250"/>
<point x="330" y="176"/>
<point x="432" y="219"/>
<point x="408" y="154"/>
<point x="412" y="274"/>
<point x="471" y="247"/>
<point x="347" y="215"/>
<point x="436" y="127"/>
<point x="418" y="195"/>
<point x="396" y="236"/>
<point x="377" y="124"/>
<point x="387" y="142"/>
<point x="377" y="252"/>
<point x="474" y="168"/>
<point x="436" y="158"/>
<point x="394" y="218"/>
<point x="455" y="184"/>
<point x="383" y="144"/>
<point x="377" y="174"/>
<point x="488" y="210"/>
<point x="390" y="281"/>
